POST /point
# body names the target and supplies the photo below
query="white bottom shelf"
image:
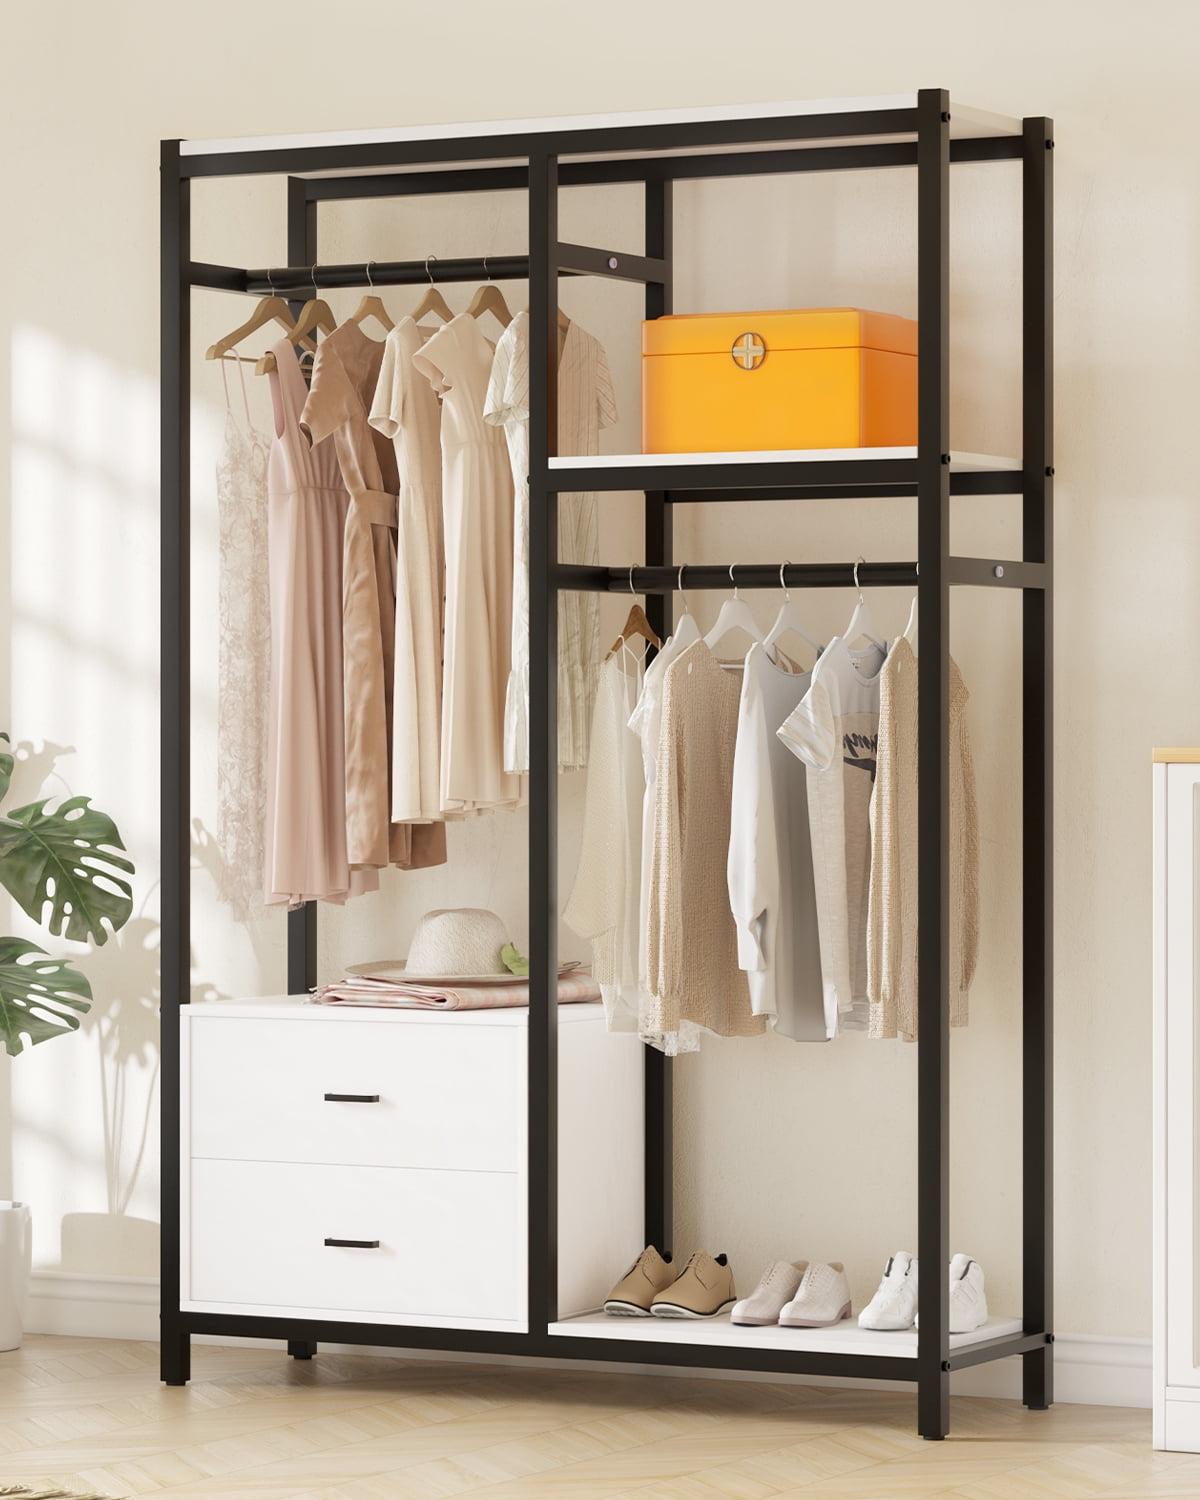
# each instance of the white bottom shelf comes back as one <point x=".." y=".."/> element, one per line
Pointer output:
<point x="846" y="1338"/>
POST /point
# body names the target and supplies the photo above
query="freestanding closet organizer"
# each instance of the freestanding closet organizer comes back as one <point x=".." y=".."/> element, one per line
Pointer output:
<point x="909" y="131"/>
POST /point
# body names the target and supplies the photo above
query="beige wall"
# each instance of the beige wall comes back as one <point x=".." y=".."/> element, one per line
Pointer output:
<point x="781" y="1150"/>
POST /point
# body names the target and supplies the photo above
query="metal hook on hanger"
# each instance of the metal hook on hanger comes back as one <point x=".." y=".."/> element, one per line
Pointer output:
<point x="679" y="588"/>
<point x="428" y="272"/>
<point x="486" y="272"/>
<point x="787" y="593"/>
<point x="733" y="581"/>
<point x="313" y="278"/>
<point x="367" y="268"/>
<point x="631" y="588"/>
<point x="858" y="585"/>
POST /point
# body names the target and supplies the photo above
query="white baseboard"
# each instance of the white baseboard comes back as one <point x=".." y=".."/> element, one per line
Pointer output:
<point x="1089" y="1369"/>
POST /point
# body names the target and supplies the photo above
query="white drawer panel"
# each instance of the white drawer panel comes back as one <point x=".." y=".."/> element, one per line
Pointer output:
<point x="450" y="1243"/>
<point x="449" y="1096"/>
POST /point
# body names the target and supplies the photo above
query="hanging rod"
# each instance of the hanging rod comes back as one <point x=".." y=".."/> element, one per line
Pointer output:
<point x="572" y="260"/>
<point x="978" y="572"/>
<point x="666" y="580"/>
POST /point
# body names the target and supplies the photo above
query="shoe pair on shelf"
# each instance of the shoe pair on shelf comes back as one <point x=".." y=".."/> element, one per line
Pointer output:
<point x="894" y="1305"/>
<point x="653" y="1288"/>
<point x="796" y="1294"/>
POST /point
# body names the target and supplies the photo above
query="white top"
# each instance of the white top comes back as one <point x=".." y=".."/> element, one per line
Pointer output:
<point x="964" y="121"/>
<point x="645" y="722"/>
<point x="835" y="731"/>
<point x="770" y="868"/>
<point x="603" y="904"/>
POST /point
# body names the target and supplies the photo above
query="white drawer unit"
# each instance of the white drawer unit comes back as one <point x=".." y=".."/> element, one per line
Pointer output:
<point x="370" y="1165"/>
<point x="1176" y="1100"/>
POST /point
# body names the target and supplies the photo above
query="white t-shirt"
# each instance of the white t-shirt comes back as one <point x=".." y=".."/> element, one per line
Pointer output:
<point x="835" y="731"/>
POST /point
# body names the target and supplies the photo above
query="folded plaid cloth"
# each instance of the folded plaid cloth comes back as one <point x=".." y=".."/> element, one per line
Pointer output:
<point x="572" y="989"/>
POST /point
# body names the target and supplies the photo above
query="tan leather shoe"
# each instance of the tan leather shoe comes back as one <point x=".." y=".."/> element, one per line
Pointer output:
<point x="650" y="1274"/>
<point x="703" y="1289"/>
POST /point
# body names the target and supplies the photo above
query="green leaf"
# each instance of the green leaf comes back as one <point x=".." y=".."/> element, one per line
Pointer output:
<point x="40" y="997"/>
<point x="6" y="765"/>
<point x="511" y="958"/>
<point x="62" y="869"/>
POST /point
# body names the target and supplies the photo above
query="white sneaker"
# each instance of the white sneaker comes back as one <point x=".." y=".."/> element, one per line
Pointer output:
<point x="822" y="1299"/>
<point x="968" y="1301"/>
<point x="894" y="1305"/>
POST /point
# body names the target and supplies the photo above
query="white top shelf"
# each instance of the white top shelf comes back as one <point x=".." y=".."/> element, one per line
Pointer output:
<point x="960" y="463"/>
<point x="964" y="121"/>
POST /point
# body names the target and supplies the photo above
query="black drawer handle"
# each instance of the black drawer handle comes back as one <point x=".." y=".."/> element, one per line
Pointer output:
<point x="352" y="1098"/>
<point x="354" y="1244"/>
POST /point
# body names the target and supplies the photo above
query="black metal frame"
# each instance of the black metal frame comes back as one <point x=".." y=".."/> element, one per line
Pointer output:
<point x="676" y="150"/>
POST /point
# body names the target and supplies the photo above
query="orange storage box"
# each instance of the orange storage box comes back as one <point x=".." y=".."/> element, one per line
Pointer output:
<point x="821" y="377"/>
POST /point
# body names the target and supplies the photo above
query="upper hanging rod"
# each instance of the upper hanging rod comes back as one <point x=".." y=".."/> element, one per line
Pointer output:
<point x="572" y="260"/>
<point x="665" y="580"/>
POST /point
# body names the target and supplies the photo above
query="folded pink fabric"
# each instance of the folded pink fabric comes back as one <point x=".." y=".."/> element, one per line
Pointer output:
<point x="572" y="989"/>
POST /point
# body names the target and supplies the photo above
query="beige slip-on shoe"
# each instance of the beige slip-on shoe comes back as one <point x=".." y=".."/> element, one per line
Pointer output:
<point x="650" y="1274"/>
<point x="702" y="1290"/>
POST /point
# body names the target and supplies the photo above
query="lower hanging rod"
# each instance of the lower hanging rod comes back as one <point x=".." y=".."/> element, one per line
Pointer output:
<point x="665" y="580"/>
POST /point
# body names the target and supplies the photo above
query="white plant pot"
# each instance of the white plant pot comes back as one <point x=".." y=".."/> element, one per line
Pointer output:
<point x="16" y="1255"/>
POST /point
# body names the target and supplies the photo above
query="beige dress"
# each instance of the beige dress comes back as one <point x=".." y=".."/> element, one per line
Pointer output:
<point x="892" y="901"/>
<point x="692" y="964"/>
<point x="305" y="806"/>
<point x="477" y="512"/>
<point x="585" y="405"/>
<point x="405" y="409"/>
<point x="345" y="372"/>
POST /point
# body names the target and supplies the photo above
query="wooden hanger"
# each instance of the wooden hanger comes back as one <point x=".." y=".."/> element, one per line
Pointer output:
<point x="489" y="298"/>
<point x="316" y="313"/>
<point x="268" y="309"/>
<point x="432" y="301"/>
<point x="636" y="624"/>
<point x="371" y="306"/>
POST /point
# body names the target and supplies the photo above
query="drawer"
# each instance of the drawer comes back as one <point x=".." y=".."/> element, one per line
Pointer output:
<point x="449" y="1096"/>
<point x="450" y="1244"/>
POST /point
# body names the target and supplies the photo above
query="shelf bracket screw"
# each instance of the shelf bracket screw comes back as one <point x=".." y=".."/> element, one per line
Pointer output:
<point x="612" y="262"/>
<point x="945" y="458"/>
<point x="1050" y="472"/>
<point x="945" y="117"/>
<point x="998" y="571"/>
<point x="946" y="1366"/>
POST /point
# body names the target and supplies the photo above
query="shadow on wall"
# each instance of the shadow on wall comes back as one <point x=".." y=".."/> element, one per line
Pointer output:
<point x="122" y="1028"/>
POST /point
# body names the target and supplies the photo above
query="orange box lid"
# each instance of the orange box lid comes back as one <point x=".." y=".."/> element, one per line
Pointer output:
<point x="797" y="328"/>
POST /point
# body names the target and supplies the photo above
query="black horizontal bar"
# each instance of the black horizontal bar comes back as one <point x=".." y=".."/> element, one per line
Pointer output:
<point x="586" y="260"/>
<point x="351" y="1098"/>
<point x="333" y="1331"/>
<point x="737" y="477"/>
<point x="665" y="580"/>
<point x="988" y="572"/>
<point x="352" y="1244"/>
<point x="989" y="1349"/>
<point x="223" y="278"/>
<point x="982" y="482"/>
<point x="782" y="161"/>
<point x="669" y="136"/>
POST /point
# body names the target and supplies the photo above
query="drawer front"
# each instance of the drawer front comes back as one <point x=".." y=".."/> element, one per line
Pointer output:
<point x="434" y="1244"/>
<point x="419" y="1095"/>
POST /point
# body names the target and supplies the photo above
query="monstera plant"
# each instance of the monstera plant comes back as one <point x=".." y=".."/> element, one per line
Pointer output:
<point x="64" y="867"/>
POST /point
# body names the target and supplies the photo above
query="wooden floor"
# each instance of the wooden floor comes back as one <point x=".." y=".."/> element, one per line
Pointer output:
<point x="90" y="1415"/>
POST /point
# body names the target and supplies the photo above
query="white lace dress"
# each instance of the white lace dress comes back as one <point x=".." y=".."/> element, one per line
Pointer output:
<point x="585" y="404"/>
<point x="243" y="656"/>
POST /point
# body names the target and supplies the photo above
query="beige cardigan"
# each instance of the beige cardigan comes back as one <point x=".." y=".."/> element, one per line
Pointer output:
<point x="892" y="899"/>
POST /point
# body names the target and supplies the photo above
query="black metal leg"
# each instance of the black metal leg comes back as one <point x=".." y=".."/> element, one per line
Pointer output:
<point x="543" y="745"/>
<point x="1037" y="717"/>
<point x="658" y="1108"/>
<point x="174" y="1354"/>
<point x="301" y="1349"/>
<point x="933" y="893"/>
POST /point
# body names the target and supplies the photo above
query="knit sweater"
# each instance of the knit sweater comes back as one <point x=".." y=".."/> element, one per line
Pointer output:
<point x="892" y="898"/>
<point x="692" y="963"/>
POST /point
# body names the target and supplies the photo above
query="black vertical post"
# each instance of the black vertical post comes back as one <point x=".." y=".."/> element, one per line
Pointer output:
<point x="543" y="745"/>
<point x="302" y="922"/>
<point x="1037" y="704"/>
<point x="175" y="720"/>
<point x="933" y="808"/>
<point x="658" y="1104"/>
